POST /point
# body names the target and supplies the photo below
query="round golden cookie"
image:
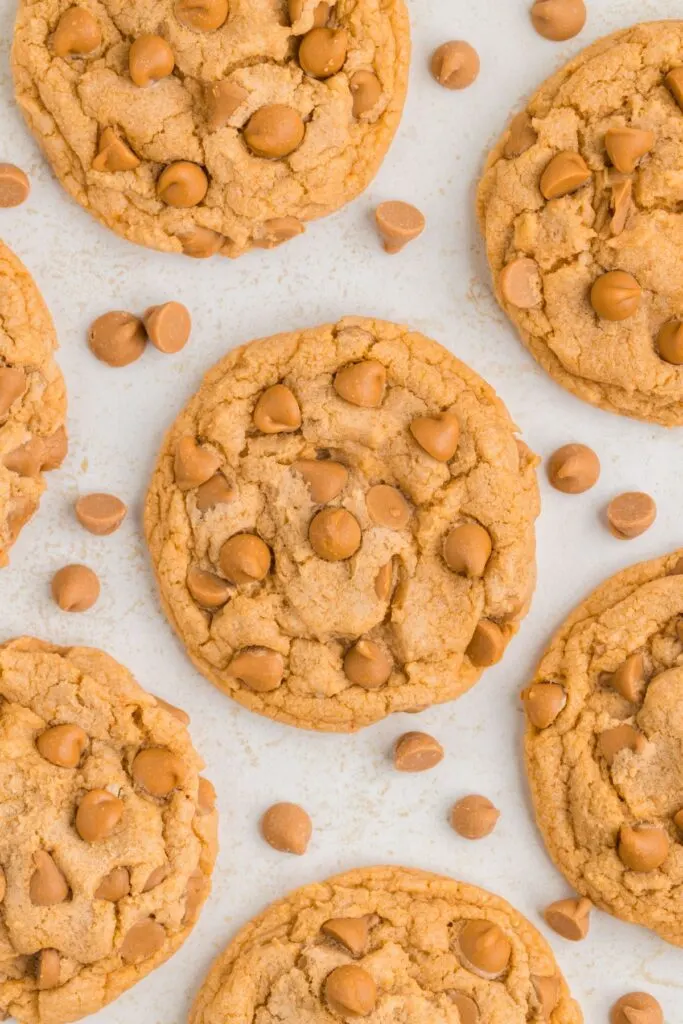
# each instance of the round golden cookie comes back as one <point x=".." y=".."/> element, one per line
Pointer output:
<point x="387" y="944"/>
<point x="342" y="525"/>
<point x="32" y="399"/>
<point x="212" y="126"/>
<point x="578" y="207"/>
<point x="109" y="834"/>
<point x="604" y="746"/>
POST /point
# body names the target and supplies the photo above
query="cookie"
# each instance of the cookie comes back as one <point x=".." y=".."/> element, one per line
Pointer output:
<point x="214" y="126"/>
<point x="603" y="746"/>
<point x="342" y="525"/>
<point x="109" y="832"/>
<point x="387" y="944"/>
<point x="579" y="209"/>
<point x="32" y="399"/>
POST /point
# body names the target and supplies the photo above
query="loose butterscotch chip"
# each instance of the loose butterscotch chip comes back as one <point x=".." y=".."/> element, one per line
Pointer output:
<point x="565" y="173"/>
<point x="12" y="387"/>
<point x="630" y="514"/>
<point x="387" y="507"/>
<point x="182" y="184"/>
<point x="548" y="989"/>
<point x="117" y="338"/>
<point x="520" y="283"/>
<point x="274" y="131"/>
<point x="543" y="702"/>
<point x="14" y="186"/>
<point x="474" y="817"/>
<point x="259" y="669"/>
<point x="193" y="464"/>
<point x="417" y="752"/>
<point x="287" y="828"/>
<point x="398" y="223"/>
<point x="570" y="918"/>
<point x="643" y="847"/>
<point x="455" y="65"/>
<point x="48" y="969"/>
<point x="467" y="549"/>
<point x="521" y="136"/>
<point x="77" y="33"/>
<point x="558" y="20"/>
<point x="326" y="479"/>
<point x="201" y="243"/>
<point x="277" y="411"/>
<point x="670" y="342"/>
<point x="75" y="588"/>
<point x="362" y="383"/>
<point x="622" y="737"/>
<point x="48" y="886"/>
<point x="114" y="886"/>
<point x="143" y="940"/>
<point x="63" y="745"/>
<point x="367" y="664"/>
<point x="487" y="645"/>
<point x="168" y="326"/>
<point x="484" y="948"/>
<point x="350" y="991"/>
<point x="366" y="89"/>
<point x="222" y="100"/>
<point x="573" y="469"/>
<point x="157" y="771"/>
<point x="636" y="1008"/>
<point x="616" y="295"/>
<point x="352" y="933"/>
<point x="321" y="12"/>
<point x="437" y="435"/>
<point x="245" y="558"/>
<point x="674" y="82"/>
<point x="215" y="491"/>
<point x="98" y="814"/>
<point x="334" y="534"/>
<point x="114" y="154"/>
<point x="322" y="51"/>
<point x="207" y="589"/>
<point x="101" y="514"/>
<point x="202" y="15"/>
<point x="150" y="59"/>
<point x="629" y="677"/>
<point x="626" y="147"/>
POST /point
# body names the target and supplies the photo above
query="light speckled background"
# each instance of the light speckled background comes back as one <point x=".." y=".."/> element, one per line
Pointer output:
<point x="363" y="812"/>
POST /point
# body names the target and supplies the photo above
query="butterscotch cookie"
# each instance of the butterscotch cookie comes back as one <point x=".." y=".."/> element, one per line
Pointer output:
<point x="109" y="832"/>
<point x="32" y="399"/>
<point x="213" y="126"/>
<point x="342" y="525"/>
<point x="579" y="209"/>
<point x="604" y="746"/>
<point x="387" y="944"/>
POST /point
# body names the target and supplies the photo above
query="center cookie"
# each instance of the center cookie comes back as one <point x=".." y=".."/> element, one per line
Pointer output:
<point x="206" y="126"/>
<point x="342" y="525"/>
<point x="387" y="944"/>
<point x="108" y="833"/>
<point x="580" y="207"/>
<point x="605" y="746"/>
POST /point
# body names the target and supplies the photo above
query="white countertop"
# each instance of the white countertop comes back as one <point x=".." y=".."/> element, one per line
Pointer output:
<point x="363" y="811"/>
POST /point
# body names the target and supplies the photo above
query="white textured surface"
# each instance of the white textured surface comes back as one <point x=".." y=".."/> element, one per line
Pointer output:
<point x="362" y="810"/>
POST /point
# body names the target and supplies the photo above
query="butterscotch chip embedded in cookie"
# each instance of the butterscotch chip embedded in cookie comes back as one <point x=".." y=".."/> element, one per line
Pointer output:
<point x="198" y="126"/>
<point x="99" y="873"/>
<point x="341" y="523"/>
<point x="388" y="944"/>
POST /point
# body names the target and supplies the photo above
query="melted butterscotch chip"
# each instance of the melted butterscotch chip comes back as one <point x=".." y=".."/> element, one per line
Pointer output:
<point x="626" y="146"/>
<point x="150" y="59"/>
<point x="670" y="342"/>
<point x="98" y="814"/>
<point x="366" y="90"/>
<point x="182" y="184"/>
<point x="350" y="991"/>
<point x="520" y="283"/>
<point x="616" y="295"/>
<point x="275" y="131"/>
<point x="387" y="507"/>
<point x="322" y="51"/>
<point x="47" y="886"/>
<point x="629" y="677"/>
<point x="142" y="941"/>
<point x="214" y="491"/>
<point x="157" y="771"/>
<point x="78" y="33"/>
<point x="62" y="745"/>
<point x="467" y="549"/>
<point x="352" y="933"/>
<point x="259" y="669"/>
<point x="202" y="15"/>
<point x="565" y="173"/>
<point x="487" y="645"/>
<point x="521" y="135"/>
<point x="114" y="154"/>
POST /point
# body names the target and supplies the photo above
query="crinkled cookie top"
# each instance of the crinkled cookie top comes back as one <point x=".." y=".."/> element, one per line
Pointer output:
<point x="342" y="525"/>
<point x="586" y="182"/>
<point x="210" y="126"/>
<point x="32" y="399"/>
<point x="387" y="945"/>
<point x="605" y="746"/>
<point x="107" y="832"/>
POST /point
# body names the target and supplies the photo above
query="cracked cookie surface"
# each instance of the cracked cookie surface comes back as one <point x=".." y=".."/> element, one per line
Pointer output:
<point x="611" y="209"/>
<point x="32" y="399"/>
<point x="108" y="837"/>
<point x="210" y="136"/>
<point x="319" y="563"/>
<point x="404" y="930"/>
<point x="604" y="746"/>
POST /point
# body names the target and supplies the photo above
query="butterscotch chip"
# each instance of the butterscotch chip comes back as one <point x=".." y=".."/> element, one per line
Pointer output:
<point x="565" y="173"/>
<point x="630" y="514"/>
<point x="207" y="589"/>
<point x="215" y="491"/>
<point x="520" y="283"/>
<point x="277" y="231"/>
<point x="55" y="449"/>
<point x="351" y="991"/>
<point x="678" y="819"/>
<point x="259" y="669"/>
<point x="398" y="223"/>
<point x="455" y="65"/>
<point x="150" y="59"/>
<point x="437" y="435"/>
<point x="193" y="464"/>
<point x="334" y="534"/>
<point x="201" y="243"/>
<point x="616" y="295"/>
<point x="75" y="588"/>
<point x="368" y="665"/>
<point x="114" y="154"/>
<point x="543" y="702"/>
<point x="521" y="135"/>
<point x="48" y="969"/>
<point x="384" y="581"/>
<point x="417" y="752"/>
<point x="643" y="847"/>
<point x="467" y="549"/>
<point x="387" y="507"/>
<point x="117" y="338"/>
<point x="636" y="1008"/>
<point x="142" y="941"/>
<point x="322" y="51"/>
<point x="320" y="12"/>
<point x="549" y="991"/>
<point x="352" y="933"/>
<point x="157" y="771"/>
<point x="156" y="878"/>
<point x="114" y="886"/>
<point x="569" y="918"/>
<point x="621" y="203"/>
<point x="362" y="383"/>
<point x="48" y="886"/>
<point x="101" y="514"/>
<point x="277" y="411"/>
<point x="12" y="387"/>
<point x="98" y="814"/>
<point x="14" y="186"/>
<point x="487" y="645"/>
<point x="466" y="1007"/>
<point x="245" y="558"/>
<point x="626" y="146"/>
<point x="63" y="745"/>
<point x="629" y="677"/>
<point x="287" y="828"/>
<point x="274" y="131"/>
<point x="558" y="20"/>
<point x="573" y="469"/>
<point x="222" y="100"/>
<point x="206" y="796"/>
<point x="326" y="479"/>
<point x="484" y="948"/>
<point x="182" y="184"/>
<point x="168" y="326"/>
<point x="621" y="737"/>
<point x="202" y="15"/>
<point x="474" y="817"/>
<point x="674" y="82"/>
<point x="28" y="459"/>
<point x="366" y="90"/>
<point x="670" y="342"/>
<point x="77" y="34"/>
<point x="178" y="713"/>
